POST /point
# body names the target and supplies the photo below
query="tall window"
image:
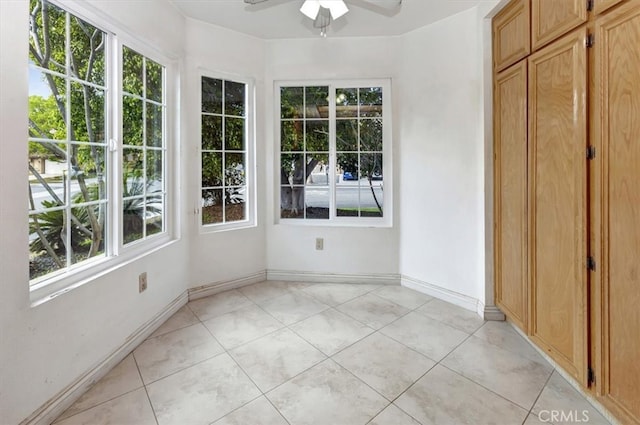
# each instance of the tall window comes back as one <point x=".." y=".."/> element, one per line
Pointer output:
<point x="224" y="151"/>
<point x="143" y="147"/>
<point x="334" y="141"/>
<point x="72" y="110"/>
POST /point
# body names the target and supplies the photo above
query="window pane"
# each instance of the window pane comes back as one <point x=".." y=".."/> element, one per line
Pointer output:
<point x="292" y="202"/>
<point x="317" y="102"/>
<point x="291" y="136"/>
<point x="234" y="169"/>
<point x="132" y="214"/>
<point x="317" y="202"/>
<point x="154" y="81"/>
<point x="371" y="165"/>
<point x="50" y="191"/>
<point x="235" y="204"/>
<point x="347" y="200"/>
<point x="88" y="177"/>
<point x="56" y="35"/>
<point x="346" y="102"/>
<point x="212" y="206"/>
<point x="154" y="207"/>
<point x="287" y="164"/>
<point x="291" y="102"/>
<point x="348" y="164"/>
<point x="155" y="170"/>
<point x="47" y="248"/>
<point x="87" y="231"/>
<point x="132" y="166"/>
<point x="87" y="114"/>
<point x="211" y="132"/>
<point x="131" y="72"/>
<point x="371" y="102"/>
<point x="234" y="95"/>
<point x="234" y="133"/>
<point x="211" y="95"/>
<point x="317" y="133"/>
<point x="132" y="121"/>
<point x="319" y="173"/>
<point x="347" y="135"/>
<point x="87" y="51"/>
<point x="371" y="199"/>
<point x="47" y="106"/>
<point x="211" y="169"/>
<point x="154" y="125"/>
<point x="371" y="134"/>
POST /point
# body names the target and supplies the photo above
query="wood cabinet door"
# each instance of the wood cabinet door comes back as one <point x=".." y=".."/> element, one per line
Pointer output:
<point x="617" y="208"/>
<point x="511" y="34"/>
<point x="600" y="6"/>
<point x="552" y="18"/>
<point x="558" y="201"/>
<point x="510" y="183"/>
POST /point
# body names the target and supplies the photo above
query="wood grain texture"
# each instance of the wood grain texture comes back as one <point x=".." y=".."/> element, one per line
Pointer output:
<point x="511" y="34"/>
<point x="557" y="201"/>
<point x="551" y="19"/>
<point x="617" y="137"/>
<point x="600" y="6"/>
<point x="510" y="183"/>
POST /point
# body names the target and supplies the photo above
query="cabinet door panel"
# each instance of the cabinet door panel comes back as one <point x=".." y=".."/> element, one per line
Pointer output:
<point x="557" y="201"/>
<point x="552" y="18"/>
<point x="510" y="178"/>
<point x="511" y="34"/>
<point x="600" y="6"/>
<point x="618" y="139"/>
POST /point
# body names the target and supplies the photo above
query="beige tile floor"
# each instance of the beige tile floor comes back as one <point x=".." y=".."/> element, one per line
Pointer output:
<point x="278" y="353"/>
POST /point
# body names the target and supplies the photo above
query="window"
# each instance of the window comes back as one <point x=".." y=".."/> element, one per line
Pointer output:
<point x="143" y="147"/>
<point x="334" y="152"/>
<point x="224" y="151"/>
<point x="76" y="218"/>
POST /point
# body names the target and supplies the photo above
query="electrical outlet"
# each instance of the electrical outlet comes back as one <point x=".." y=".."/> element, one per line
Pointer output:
<point x="319" y="244"/>
<point x="142" y="282"/>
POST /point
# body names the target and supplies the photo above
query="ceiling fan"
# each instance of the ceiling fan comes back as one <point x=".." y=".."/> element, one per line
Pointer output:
<point x="322" y="12"/>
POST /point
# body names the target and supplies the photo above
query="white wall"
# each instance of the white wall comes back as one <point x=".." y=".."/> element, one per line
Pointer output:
<point x="43" y="349"/>
<point x="442" y="156"/>
<point x="347" y="250"/>
<point x="226" y="255"/>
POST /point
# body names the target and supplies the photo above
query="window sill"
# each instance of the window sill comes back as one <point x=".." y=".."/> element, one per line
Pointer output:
<point x="354" y="223"/>
<point x="225" y="227"/>
<point x="48" y="289"/>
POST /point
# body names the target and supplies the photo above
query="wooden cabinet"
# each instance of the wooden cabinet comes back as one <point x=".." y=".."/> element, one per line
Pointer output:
<point x="600" y="6"/>
<point x="581" y="241"/>
<point x="510" y="206"/>
<point x="511" y="39"/>
<point x="552" y="18"/>
<point x="616" y="211"/>
<point x="558" y="201"/>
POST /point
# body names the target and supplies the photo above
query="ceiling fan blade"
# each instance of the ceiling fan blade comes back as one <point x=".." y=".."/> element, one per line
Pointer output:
<point x="383" y="7"/>
<point x="254" y="1"/>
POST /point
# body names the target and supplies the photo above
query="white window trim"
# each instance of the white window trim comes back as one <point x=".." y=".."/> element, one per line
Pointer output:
<point x="387" y="149"/>
<point x="116" y="255"/>
<point x="250" y="169"/>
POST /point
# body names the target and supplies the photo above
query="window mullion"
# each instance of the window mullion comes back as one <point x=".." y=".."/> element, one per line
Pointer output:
<point x="114" y="173"/>
<point x="333" y="156"/>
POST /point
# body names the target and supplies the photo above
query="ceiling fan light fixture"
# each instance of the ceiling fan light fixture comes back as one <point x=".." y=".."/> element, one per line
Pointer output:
<point x="311" y="8"/>
<point x="337" y="7"/>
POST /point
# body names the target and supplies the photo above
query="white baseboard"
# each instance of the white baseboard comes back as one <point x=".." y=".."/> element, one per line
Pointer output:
<point x="225" y="285"/>
<point x="317" y="277"/>
<point x="444" y="294"/>
<point x="490" y="312"/>
<point x="47" y="413"/>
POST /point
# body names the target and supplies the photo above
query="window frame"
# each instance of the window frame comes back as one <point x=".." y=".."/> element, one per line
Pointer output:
<point x="116" y="255"/>
<point x="387" y="148"/>
<point x="250" y="162"/>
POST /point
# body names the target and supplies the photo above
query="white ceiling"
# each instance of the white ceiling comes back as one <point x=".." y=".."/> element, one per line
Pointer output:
<point x="282" y="18"/>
